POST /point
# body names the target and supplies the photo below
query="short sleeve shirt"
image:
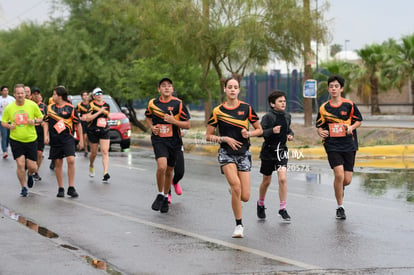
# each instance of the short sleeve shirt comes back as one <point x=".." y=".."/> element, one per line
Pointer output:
<point x="62" y="121"/>
<point x="19" y="115"/>
<point x="231" y="121"/>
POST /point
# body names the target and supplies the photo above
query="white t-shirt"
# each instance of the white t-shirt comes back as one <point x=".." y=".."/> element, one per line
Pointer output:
<point x="4" y="101"/>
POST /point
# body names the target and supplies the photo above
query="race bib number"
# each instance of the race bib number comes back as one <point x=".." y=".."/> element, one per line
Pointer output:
<point x="20" y="119"/>
<point x="101" y="122"/>
<point x="166" y="130"/>
<point x="337" y="130"/>
<point x="59" y="126"/>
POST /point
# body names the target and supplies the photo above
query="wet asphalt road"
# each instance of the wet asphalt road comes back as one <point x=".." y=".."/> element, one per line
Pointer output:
<point x="114" y="223"/>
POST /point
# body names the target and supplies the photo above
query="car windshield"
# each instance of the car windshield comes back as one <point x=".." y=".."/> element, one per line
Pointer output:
<point x="114" y="108"/>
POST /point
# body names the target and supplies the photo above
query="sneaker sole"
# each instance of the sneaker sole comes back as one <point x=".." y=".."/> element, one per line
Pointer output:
<point x="283" y="220"/>
<point x="239" y="236"/>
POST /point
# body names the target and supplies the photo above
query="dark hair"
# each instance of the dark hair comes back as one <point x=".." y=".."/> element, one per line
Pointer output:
<point x="275" y="95"/>
<point x="61" y="91"/>
<point x="3" y="87"/>
<point x="338" y="78"/>
<point x="83" y="92"/>
<point x="230" y="78"/>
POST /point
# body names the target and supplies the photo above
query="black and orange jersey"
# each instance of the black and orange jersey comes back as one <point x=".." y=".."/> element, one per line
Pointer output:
<point x="169" y="134"/>
<point x="43" y="108"/>
<point x="39" y="127"/>
<point x="100" y="122"/>
<point x="335" y="119"/>
<point x="231" y="121"/>
<point x="61" y="120"/>
<point x="82" y="108"/>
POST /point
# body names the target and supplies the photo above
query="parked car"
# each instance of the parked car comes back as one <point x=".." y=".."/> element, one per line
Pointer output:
<point x="120" y="128"/>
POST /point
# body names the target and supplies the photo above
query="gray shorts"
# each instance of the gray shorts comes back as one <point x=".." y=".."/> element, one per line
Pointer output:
<point x="243" y="162"/>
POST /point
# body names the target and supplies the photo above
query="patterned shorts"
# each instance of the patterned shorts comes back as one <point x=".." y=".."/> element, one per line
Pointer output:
<point x="243" y="162"/>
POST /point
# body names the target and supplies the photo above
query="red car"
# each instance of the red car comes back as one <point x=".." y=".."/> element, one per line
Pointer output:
<point x="120" y="128"/>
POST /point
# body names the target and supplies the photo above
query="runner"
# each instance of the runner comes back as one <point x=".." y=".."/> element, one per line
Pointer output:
<point x="82" y="109"/>
<point x="20" y="117"/>
<point x="61" y="119"/>
<point x="5" y="99"/>
<point x="166" y="115"/>
<point x="274" y="154"/>
<point x="37" y="97"/>
<point x="337" y="121"/>
<point x="232" y="120"/>
<point x="98" y="132"/>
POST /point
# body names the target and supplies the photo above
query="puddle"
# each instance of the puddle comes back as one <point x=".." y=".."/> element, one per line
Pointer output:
<point x="28" y="223"/>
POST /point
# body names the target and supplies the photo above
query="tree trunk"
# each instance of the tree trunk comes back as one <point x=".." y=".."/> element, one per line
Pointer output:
<point x="412" y="93"/>
<point x="132" y="115"/>
<point x="375" y="109"/>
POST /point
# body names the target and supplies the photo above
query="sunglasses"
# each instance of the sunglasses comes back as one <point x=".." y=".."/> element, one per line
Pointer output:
<point x="98" y="93"/>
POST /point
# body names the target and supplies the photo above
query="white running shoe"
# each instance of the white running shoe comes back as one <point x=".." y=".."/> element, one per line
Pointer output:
<point x="238" y="231"/>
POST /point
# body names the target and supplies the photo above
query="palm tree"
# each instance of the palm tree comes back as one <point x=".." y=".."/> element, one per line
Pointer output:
<point x="369" y="75"/>
<point x="401" y="66"/>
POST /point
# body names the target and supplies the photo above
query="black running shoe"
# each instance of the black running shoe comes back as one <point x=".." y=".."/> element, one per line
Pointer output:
<point x="85" y="154"/>
<point x="340" y="213"/>
<point x="30" y="181"/>
<point x="24" y="192"/>
<point x="106" y="178"/>
<point x="61" y="192"/>
<point x="284" y="215"/>
<point x="261" y="214"/>
<point x="36" y="177"/>
<point x="164" y="206"/>
<point x="72" y="192"/>
<point x="156" y="205"/>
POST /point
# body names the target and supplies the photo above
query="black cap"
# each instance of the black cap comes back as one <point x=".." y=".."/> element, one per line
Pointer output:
<point x="164" y="79"/>
<point x="36" y="90"/>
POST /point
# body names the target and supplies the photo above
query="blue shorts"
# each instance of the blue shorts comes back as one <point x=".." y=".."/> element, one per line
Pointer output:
<point x="243" y="162"/>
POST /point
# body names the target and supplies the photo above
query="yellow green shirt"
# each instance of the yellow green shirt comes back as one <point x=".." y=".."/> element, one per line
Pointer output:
<point x="19" y="115"/>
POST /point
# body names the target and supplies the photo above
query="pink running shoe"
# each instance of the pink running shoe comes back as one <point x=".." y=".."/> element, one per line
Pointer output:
<point x="177" y="189"/>
<point x="169" y="198"/>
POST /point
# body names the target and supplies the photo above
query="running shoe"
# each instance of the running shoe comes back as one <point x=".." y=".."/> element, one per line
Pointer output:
<point x="72" y="192"/>
<point x="284" y="215"/>
<point x="36" y="177"/>
<point x="91" y="172"/>
<point x="238" y="231"/>
<point x="24" y="192"/>
<point x="5" y="155"/>
<point x="30" y="181"/>
<point x="177" y="188"/>
<point x="156" y="205"/>
<point x="340" y="213"/>
<point x="85" y="154"/>
<point x="261" y="214"/>
<point x="106" y="178"/>
<point x="164" y="205"/>
<point x="61" y="192"/>
<point x="169" y="199"/>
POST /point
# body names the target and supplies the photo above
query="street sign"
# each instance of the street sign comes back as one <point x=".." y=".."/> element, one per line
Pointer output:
<point x="310" y="88"/>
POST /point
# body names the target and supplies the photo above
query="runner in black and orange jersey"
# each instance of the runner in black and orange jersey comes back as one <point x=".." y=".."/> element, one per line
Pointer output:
<point x="337" y="121"/>
<point x="166" y="115"/>
<point x="98" y="132"/>
<point x="82" y="109"/>
<point x="232" y="120"/>
<point x="37" y="97"/>
<point x="61" y="119"/>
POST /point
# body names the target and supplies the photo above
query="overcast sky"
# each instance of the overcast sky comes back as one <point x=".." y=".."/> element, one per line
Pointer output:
<point x="360" y="22"/>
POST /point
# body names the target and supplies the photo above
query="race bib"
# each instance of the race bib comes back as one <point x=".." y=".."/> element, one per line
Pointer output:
<point x="59" y="126"/>
<point x="337" y="130"/>
<point x="20" y="119"/>
<point x="166" y="130"/>
<point x="101" y="122"/>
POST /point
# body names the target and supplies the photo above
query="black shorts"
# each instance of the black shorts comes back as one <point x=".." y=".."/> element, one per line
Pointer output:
<point x="94" y="134"/>
<point x="268" y="166"/>
<point x="347" y="159"/>
<point x="162" y="150"/>
<point x="29" y="149"/>
<point x="84" y="127"/>
<point x="60" y="152"/>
